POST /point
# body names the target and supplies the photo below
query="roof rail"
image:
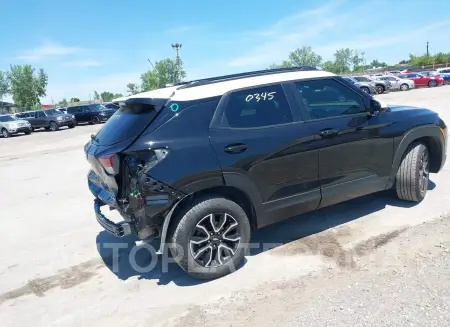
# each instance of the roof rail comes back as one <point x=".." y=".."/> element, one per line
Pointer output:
<point x="263" y="72"/>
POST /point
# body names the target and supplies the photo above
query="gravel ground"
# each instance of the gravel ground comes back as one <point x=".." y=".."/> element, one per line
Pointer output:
<point x="409" y="286"/>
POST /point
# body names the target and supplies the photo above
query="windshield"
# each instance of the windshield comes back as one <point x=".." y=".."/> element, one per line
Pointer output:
<point x="97" y="107"/>
<point x="7" y="118"/>
<point x="351" y="80"/>
<point x="362" y="79"/>
<point x="53" y="112"/>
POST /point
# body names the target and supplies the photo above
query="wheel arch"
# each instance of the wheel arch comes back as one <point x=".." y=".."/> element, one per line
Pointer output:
<point x="251" y="205"/>
<point x="431" y="136"/>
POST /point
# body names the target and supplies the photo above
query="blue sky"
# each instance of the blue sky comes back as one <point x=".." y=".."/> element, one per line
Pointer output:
<point x="103" y="45"/>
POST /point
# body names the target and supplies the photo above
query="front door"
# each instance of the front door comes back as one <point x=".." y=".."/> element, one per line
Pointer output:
<point x="355" y="150"/>
<point x="260" y="141"/>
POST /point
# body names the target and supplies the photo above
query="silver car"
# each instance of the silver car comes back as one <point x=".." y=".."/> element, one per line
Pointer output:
<point x="10" y="125"/>
<point x="366" y="87"/>
<point x="397" y="83"/>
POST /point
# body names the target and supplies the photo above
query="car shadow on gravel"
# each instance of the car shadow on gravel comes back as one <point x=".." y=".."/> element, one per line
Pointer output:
<point x="126" y="259"/>
<point x="307" y="224"/>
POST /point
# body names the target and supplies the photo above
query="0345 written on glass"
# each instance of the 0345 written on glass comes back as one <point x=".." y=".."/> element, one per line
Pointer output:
<point x="260" y="96"/>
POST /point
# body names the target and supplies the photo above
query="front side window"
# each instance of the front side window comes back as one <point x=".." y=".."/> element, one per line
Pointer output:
<point x="257" y="107"/>
<point x="362" y="79"/>
<point x="40" y="114"/>
<point x="326" y="98"/>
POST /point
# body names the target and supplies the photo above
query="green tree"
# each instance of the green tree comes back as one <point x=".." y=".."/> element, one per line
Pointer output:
<point x="284" y="64"/>
<point x="166" y="71"/>
<point x="118" y="95"/>
<point x="305" y="56"/>
<point x="4" y="85"/>
<point x="74" y="100"/>
<point x="132" y="88"/>
<point x="107" y="96"/>
<point x="27" y="85"/>
<point x="330" y="66"/>
<point x="63" y="103"/>
<point x="96" y="95"/>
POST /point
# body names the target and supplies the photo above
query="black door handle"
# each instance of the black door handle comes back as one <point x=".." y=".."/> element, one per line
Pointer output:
<point x="236" y="148"/>
<point x="328" y="132"/>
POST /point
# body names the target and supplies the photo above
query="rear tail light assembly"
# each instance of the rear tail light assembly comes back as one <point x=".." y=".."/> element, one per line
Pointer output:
<point x="110" y="162"/>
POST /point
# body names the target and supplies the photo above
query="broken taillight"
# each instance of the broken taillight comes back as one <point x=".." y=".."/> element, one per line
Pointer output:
<point x="110" y="162"/>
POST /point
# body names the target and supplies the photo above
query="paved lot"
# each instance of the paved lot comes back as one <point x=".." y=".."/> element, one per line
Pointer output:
<point x="52" y="264"/>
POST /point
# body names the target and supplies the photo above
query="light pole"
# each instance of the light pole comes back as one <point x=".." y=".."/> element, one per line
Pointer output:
<point x="427" y="49"/>
<point x="177" y="47"/>
<point x="363" y="62"/>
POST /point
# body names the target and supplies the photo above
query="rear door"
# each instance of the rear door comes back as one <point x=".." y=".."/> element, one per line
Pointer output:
<point x="260" y="141"/>
<point x="40" y="119"/>
<point x="355" y="149"/>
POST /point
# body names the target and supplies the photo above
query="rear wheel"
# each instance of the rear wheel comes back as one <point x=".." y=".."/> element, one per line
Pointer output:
<point x="380" y="89"/>
<point x="96" y="120"/>
<point x="5" y="133"/>
<point x="404" y="87"/>
<point x="432" y="83"/>
<point x="28" y="132"/>
<point x="71" y="125"/>
<point x="413" y="174"/>
<point x="54" y="126"/>
<point x="210" y="238"/>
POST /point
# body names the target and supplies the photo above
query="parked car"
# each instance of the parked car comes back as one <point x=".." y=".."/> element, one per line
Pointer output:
<point x="111" y="106"/>
<point x="397" y="83"/>
<point x="421" y="80"/>
<point x="364" y="86"/>
<point x="91" y="113"/>
<point x="203" y="164"/>
<point x="380" y="86"/>
<point x="50" y="119"/>
<point x="10" y="125"/>
<point x="433" y="73"/>
<point x="63" y="110"/>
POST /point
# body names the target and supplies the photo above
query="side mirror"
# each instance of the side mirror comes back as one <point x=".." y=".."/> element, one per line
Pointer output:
<point x="375" y="108"/>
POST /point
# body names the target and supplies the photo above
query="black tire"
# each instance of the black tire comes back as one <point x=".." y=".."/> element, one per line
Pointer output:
<point x="404" y="87"/>
<point x="96" y="120"/>
<point x="5" y="133"/>
<point x="71" y="126"/>
<point x="53" y="126"/>
<point x="413" y="174"/>
<point x="28" y="132"/>
<point x="185" y="228"/>
<point x="432" y="83"/>
<point x="380" y="89"/>
<point x="365" y="89"/>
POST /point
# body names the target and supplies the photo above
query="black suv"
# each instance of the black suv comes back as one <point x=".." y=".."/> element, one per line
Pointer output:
<point x="91" y="113"/>
<point x="50" y="119"/>
<point x="202" y="164"/>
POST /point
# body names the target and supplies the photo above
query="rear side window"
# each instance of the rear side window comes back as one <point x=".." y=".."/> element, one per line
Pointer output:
<point x="73" y="110"/>
<point x="257" y="107"/>
<point x="127" y="122"/>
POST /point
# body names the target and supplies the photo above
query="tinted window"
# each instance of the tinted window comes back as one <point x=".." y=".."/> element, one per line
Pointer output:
<point x="73" y="110"/>
<point x="40" y="114"/>
<point x="85" y="109"/>
<point x="327" y="98"/>
<point x="411" y="75"/>
<point x="361" y="79"/>
<point x="7" y="118"/>
<point x="257" y="107"/>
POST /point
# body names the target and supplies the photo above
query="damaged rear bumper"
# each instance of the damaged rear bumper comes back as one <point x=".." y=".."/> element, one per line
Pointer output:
<point x="121" y="229"/>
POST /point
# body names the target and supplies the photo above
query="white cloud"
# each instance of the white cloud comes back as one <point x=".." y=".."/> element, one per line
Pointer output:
<point x="184" y="29"/>
<point x="48" y="50"/>
<point x="115" y="83"/>
<point x="83" y="63"/>
<point x="293" y="31"/>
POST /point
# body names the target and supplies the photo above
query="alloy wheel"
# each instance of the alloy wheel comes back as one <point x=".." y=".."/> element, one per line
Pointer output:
<point x="5" y="133"/>
<point x="424" y="172"/>
<point x="215" y="240"/>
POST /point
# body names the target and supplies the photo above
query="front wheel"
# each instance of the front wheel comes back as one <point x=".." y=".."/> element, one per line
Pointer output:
<point x="412" y="176"/>
<point x="71" y="125"/>
<point x="404" y="87"/>
<point x="210" y="238"/>
<point x="432" y="83"/>
<point x="96" y="120"/>
<point x="365" y="89"/>
<point x="54" y="126"/>
<point x="5" y="133"/>
<point x="28" y="132"/>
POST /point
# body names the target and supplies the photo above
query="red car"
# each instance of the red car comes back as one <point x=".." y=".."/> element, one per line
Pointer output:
<point x="422" y="80"/>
